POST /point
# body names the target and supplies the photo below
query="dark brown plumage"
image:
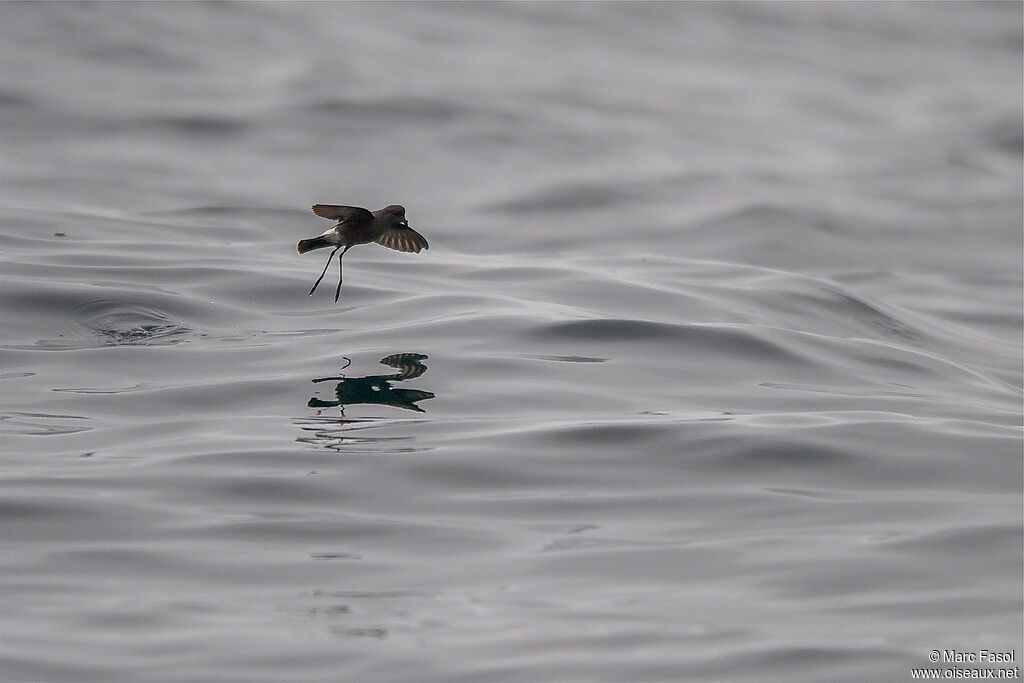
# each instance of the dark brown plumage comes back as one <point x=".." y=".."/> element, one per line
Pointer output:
<point x="387" y="227"/>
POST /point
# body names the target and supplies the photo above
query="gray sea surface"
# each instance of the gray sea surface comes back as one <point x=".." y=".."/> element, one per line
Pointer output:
<point x="712" y="371"/>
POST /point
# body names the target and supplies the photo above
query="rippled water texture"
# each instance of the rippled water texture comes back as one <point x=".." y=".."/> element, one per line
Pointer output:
<point x="712" y="370"/>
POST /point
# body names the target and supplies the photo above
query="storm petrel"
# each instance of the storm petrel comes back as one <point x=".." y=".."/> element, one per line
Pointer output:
<point x="386" y="226"/>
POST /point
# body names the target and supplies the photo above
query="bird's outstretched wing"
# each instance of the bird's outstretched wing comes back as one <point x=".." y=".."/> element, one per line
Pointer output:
<point x="342" y="213"/>
<point x="403" y="239"/>
<point x="407" y="364"/>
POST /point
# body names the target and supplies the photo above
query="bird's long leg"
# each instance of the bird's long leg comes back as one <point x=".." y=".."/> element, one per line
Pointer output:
<point x="337" y="292"/>
<point x="317" y="283"/>
<point x="348" y="362"/>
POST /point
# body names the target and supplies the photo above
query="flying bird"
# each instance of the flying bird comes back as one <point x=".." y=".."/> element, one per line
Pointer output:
<point x="386" y="226"/>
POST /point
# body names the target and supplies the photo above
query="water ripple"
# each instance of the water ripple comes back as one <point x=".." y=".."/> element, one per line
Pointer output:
<point x="117" y="322"/>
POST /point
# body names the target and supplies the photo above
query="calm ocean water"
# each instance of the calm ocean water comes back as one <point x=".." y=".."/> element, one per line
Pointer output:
<point x="712" y="371"/>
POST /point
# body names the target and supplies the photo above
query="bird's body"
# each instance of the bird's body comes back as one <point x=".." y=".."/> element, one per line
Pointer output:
<point x="386" y="226"/>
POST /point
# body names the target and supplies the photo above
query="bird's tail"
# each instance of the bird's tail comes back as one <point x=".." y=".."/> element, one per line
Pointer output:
<point x="314" y="243"/>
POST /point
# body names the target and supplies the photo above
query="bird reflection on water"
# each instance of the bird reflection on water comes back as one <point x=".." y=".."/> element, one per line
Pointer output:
<point x="334" y="432"/>
<point x="377" y="388"/>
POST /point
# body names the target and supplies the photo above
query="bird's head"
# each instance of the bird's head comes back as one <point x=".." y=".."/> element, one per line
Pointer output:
<point x="397" y="214"/>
